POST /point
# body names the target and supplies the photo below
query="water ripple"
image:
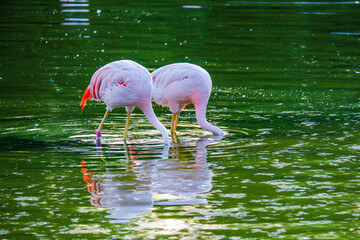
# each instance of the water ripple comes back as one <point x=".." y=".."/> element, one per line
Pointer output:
<point x="296" y="2"/>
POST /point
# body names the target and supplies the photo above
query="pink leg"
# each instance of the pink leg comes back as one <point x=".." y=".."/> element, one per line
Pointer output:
<point x="98" y="134"/>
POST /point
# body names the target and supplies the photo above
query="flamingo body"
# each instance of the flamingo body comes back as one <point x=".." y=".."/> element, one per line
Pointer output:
<point x="179" y="84"/>
<point x="123" y="83"/>
<point x="120" y="84"/>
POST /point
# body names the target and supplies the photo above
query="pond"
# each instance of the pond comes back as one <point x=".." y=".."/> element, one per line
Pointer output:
<point x="285" y="92"/>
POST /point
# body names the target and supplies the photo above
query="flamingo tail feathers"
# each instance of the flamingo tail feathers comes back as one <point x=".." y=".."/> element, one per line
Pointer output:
<point x="86" y="96"/>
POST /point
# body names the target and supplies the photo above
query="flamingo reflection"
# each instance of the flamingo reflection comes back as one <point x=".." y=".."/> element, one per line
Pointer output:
<point x="127" y="191"/>
<point x="149" y="178"/>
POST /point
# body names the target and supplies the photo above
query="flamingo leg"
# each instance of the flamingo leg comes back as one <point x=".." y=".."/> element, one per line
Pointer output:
<point x="176" y="120"/>
<point x="98" y="131"/>
<point x="175" y="138"/>
<point x="127" y="124"/>
<point x="172" y="123"/>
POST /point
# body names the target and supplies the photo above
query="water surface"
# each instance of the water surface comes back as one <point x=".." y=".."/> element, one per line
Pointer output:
<point x="285" y="90"/>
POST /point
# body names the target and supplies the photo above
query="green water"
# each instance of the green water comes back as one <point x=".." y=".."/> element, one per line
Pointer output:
<point x="285" y="90"/>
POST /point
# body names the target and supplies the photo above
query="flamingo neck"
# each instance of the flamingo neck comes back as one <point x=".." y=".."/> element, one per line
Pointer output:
<point x="149" y="113"/>
<point x="201" y="118"/>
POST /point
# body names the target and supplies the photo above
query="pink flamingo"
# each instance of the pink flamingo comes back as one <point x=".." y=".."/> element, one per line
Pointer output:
<point x="127" y="84"/>
<point x="179" y="84"/>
